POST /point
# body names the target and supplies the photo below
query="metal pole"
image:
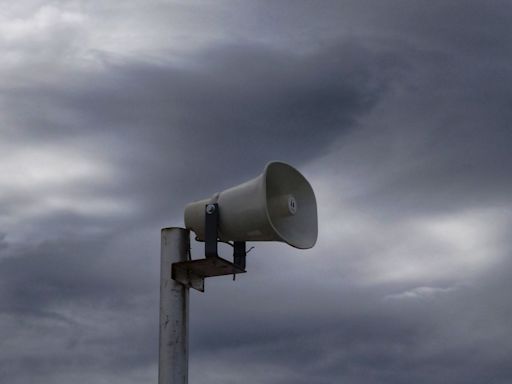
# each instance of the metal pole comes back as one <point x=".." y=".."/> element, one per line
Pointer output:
<point x="173" y="341"/>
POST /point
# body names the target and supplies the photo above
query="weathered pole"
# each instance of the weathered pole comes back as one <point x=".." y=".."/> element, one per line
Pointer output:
<point x="174" y="304"/>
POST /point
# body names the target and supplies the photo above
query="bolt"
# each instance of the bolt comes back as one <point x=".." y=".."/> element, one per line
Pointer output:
<point x="210" y="208"/>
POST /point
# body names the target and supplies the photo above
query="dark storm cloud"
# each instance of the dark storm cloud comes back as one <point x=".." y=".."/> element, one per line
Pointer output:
<point x="81" y="304"/>
<point x="401" y="110"/>
<point x="438" y="143"/>
<point x="237" y="99"/>
<point x="354" y="335"/>
<point x="249" y="103"/>
<point x="57" y="271"/>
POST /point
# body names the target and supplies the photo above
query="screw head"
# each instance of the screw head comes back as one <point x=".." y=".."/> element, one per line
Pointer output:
<point x="210" y="208"/>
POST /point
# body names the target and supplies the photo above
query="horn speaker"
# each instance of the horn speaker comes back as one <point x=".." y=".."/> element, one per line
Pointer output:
<point x="278" y="205"/>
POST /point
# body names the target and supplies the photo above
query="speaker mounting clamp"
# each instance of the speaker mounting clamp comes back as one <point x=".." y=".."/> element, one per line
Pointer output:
<point x="192" y="273"/>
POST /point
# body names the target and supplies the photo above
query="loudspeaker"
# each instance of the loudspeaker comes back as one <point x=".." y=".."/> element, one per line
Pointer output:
<point x="278" y="205"/>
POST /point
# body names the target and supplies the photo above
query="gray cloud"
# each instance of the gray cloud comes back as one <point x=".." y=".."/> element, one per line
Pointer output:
<point x="269" y="105"/>
<point x="398" y="113"/>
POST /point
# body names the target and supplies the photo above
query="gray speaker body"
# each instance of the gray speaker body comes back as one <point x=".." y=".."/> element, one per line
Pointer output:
<point x="278" y="205"/>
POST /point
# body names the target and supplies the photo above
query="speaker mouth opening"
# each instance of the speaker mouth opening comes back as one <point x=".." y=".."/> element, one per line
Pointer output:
<point x="291" y="205"/>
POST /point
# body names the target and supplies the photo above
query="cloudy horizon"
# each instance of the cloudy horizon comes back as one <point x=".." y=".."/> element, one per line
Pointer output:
<point x="117" y="114"/>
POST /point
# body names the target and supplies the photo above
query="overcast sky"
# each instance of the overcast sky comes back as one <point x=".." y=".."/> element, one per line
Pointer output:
<point x="114" y="115"/>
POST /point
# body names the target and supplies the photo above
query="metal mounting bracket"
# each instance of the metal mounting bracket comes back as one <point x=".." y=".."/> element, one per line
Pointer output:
<point x="193" y="272"/>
